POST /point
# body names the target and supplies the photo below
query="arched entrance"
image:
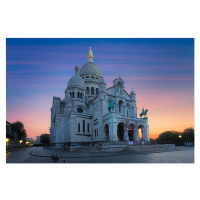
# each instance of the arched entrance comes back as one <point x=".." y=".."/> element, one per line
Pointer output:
<point x="120" y="131"/>
<point x="130" y="132"/>
<point x="140" y="132"/>
<point x="106" y="129"/>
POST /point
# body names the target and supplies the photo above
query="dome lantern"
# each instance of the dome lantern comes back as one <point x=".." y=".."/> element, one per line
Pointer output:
<point x="76" y="70"/>
<point x="90" y="55"/>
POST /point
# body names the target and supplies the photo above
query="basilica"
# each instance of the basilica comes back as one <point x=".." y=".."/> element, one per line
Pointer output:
<point x="91" y="113"/>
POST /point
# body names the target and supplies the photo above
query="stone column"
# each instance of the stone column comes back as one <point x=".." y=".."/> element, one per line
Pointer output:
<point x="116" y="108"/>
<point x="112" y="128"/>
<point x="126" y="135"/>
<point x="147" y="130"/>
<point x="135" y="135"/>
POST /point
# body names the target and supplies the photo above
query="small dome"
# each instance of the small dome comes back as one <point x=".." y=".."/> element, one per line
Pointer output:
<point x="90" y="69"/>
<point x="76" y="81"/>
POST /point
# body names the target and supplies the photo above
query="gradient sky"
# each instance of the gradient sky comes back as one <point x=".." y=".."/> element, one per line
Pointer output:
<point x="160" y="71"/>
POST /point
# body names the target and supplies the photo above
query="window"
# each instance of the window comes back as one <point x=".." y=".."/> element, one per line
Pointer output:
<point x="79" y="109"/>
<point x="87" y="89"/>
<point x="97" y="132"/>
<point x="92" y="91"/>
<point x="82" y="77"/>
<point x="119" y="87"/>
<point x="78" y="95"/>
<point x="73" y="94"/>
<point x="84" y="126"/>
<point x="120" y="106"/>
<point x="81" y="95"/>
<point x="87" y="76"/>
<point x="79" y="127"/>
<point x="88" y="128"/>
<point x="97" y="91"/>
<point x="127" y="113"/>
<point x="92" y="76"/>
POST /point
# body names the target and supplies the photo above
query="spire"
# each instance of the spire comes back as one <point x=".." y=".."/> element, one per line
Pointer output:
<point x="76" y="70"/>
<point x="90" y="55"/>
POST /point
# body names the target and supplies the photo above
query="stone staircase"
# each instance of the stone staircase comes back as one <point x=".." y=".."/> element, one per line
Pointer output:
<point x="111" y="146"/>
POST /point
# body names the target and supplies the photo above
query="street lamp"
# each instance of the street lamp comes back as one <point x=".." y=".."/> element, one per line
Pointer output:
<point x="7" y="140"/>
<point x="20" y="142"/>
<point x="180" y="139"/>
<point x="27" y="143"/>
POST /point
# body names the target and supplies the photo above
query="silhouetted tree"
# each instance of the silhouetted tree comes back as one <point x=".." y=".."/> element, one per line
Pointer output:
<point x="153" y="141"/>
<point x="44" y="138"/>
<point x="19" y="128"/>
<point x="168" y="136"/>
<point x="188" y="135"/>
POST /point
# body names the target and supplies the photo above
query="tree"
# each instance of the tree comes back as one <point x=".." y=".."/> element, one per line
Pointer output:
<point x="44" y="138"/>
<point x="153" y="141"/>
<point x="188" y="135"/>
<point x="19" y="128"/>
<point x="168" y="136"/>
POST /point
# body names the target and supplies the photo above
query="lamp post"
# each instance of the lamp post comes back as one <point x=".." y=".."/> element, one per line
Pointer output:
<point x="20" y="142"/>
<point x="7" y="140"/>
<point x="180" y="139"/>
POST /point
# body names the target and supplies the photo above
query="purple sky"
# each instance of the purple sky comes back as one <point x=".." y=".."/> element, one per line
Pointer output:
<point x="160" y="71"/>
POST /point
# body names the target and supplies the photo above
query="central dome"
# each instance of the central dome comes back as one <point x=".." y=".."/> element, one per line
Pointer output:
<point x="90" y="68"/>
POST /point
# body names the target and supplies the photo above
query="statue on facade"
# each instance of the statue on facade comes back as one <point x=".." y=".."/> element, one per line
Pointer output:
<point x="111" y="106"/>
<point x="143" y="113"/>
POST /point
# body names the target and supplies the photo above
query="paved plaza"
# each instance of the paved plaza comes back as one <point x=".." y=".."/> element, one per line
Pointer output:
<point x="134" y="154"/>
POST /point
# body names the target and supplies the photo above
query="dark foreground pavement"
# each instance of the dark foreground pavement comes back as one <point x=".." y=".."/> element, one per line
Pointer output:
<point x="140" y="154"/>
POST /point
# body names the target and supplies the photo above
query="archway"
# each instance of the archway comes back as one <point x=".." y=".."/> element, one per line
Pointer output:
<point x="120" y="131"/>
<point x="130" y="132"/>
<point x="106" y="128"/>
<point x="140" y="132"/>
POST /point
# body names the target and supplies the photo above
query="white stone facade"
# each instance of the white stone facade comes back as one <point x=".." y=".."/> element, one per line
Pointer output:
<point x="90" y="112"/>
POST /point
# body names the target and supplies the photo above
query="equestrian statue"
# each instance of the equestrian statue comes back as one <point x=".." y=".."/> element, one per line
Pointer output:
<point x="111" y="106"/>
<point x="143" y="113"/>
